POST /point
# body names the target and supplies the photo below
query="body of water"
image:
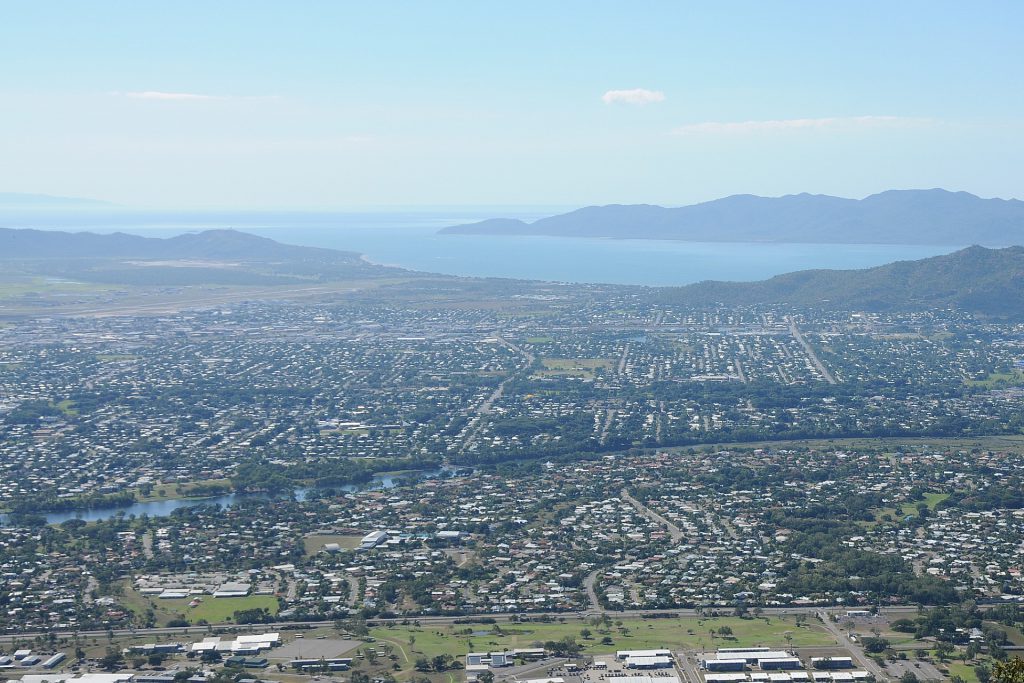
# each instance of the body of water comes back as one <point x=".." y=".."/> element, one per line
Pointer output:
<point x="162" y="508"/>
<point x="410" y="240"/>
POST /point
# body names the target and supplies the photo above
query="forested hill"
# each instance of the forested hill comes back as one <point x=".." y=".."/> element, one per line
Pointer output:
<point x="224" y="257"/>
<point x="894" y="217"/>
<point x="209" y="244"/>
<point x="976" y="279"/>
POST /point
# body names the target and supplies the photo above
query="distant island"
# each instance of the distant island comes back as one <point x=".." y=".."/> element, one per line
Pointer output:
<point x="894" y="217"/>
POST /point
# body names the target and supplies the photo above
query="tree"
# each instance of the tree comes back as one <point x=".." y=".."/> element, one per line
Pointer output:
<point x="982" y="673"/>
<point x="903" y="626"/>
<point x="724" y="631"/>
<point x="908" y="677"/>
<point x="1008" y="671"/>
<point x="112" y="660"/>
<point x="875" y="645"/>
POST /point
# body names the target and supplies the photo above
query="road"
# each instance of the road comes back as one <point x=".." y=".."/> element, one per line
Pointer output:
<point x="795" y="331"/>
<point x="843" y="639"/>
<point x="674" y="531"/>
<point x="609" y="417"/>
<point x="473" y="429"/>
<point x="588" y="584"/>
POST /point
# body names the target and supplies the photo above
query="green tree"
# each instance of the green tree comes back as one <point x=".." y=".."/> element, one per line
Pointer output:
<point x="1008" y="671"/>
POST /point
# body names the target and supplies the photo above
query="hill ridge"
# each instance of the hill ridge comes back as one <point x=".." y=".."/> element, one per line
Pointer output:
<point x="932" y="216"/>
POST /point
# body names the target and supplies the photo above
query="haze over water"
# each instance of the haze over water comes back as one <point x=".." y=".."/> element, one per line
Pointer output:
<point x="410" y="240"/>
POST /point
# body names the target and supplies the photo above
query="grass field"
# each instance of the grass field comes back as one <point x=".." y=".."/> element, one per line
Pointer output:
<point x="1013" y="378"/>
<point x="683" y="633"/>
<point x="211" y="609"/>
<point x="67" y="406"/>
<point x="47" y="286"/>
<point x="930" y="499"/>
<point x="907" y="509"/>
<point x="114" y="357"/>
<point x="315" y="542"/>
<point x="217" y="610"/>
<point x="964" y="671"/>
<point x="183" y="489"/>
<point x="578" y="367"/>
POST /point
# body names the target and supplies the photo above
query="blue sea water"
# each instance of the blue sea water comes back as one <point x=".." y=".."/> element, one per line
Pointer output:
<point x="410" y="240"/>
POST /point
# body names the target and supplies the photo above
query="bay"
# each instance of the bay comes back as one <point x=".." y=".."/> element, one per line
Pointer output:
<point x="410" y="239"/>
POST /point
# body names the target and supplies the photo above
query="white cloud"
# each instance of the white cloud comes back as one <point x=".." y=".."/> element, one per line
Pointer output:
<point x="634" y="96"/>
<point x="829" y="122"/>
<point x="179" y="96"/>
<point x="159" y="95"/>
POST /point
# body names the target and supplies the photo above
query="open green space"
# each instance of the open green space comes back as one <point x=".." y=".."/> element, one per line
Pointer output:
<point x="690" y="632"/>
<point x="996" y="379"/>
<point x="964" y="671"/>
<point x="114" y="357"/>
<point x="930" y="499"/>
<point x="219" y="610"/>
<point x="22" y="286"/>
<point x="211" y="610"/>
<point x="185" y="489"/>
<point x="579" y="367"/>
<point x="315" y="542"/>
<point x="67" y="407"/>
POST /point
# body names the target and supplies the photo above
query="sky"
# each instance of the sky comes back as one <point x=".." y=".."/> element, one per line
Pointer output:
<point x="302" y="104"/>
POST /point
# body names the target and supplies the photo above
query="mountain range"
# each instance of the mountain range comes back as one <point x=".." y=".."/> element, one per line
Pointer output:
<point x="894" y="217"/>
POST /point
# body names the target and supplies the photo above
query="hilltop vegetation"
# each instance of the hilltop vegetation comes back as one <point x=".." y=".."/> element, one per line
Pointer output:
<point x="976" y="279"/>
<point x="225" y="257"/>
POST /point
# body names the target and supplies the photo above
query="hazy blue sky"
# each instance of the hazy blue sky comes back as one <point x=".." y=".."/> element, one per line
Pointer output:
<point x="335" y="104"/>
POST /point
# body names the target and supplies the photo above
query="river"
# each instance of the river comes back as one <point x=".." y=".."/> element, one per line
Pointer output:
<point x="162" y="508"/>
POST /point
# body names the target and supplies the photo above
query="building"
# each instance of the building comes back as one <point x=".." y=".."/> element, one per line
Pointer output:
<point x="724" y="664"/>
<point x="372" y="540"/>
<point x="832" y="662"/>
<point x="778" y="663"/>
<point x="658" y="662"/>
<point x="752" y="655"/>
<point x="622" y="655"/>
